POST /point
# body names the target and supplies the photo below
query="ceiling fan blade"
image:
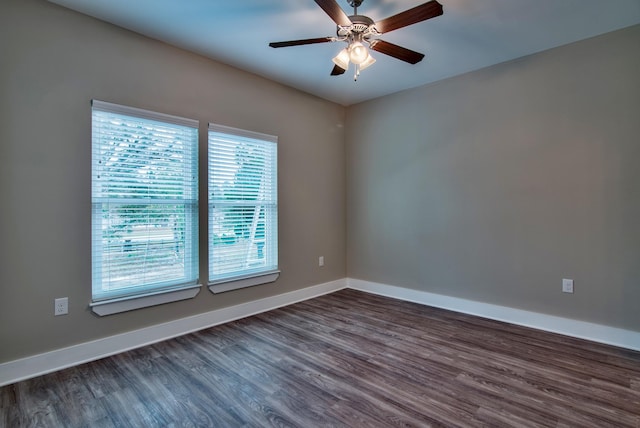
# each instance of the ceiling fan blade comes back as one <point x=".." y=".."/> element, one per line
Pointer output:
<point x="301" y="42"/>
<point x="417" y="14"/>
<point x="335" y="12"/>
<point x="398" y="52"/>
<point x="337" y="71"/>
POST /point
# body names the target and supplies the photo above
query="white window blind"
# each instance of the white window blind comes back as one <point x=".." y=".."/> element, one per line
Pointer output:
<point x="243" y="204"/>
<point x="144" y="202"/>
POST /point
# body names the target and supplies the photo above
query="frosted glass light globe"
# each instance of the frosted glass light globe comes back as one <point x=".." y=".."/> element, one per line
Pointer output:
<point x="358" y="53"/>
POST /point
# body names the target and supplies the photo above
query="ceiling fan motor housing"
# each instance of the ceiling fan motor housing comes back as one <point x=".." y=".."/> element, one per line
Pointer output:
<point x="360" y="24"/>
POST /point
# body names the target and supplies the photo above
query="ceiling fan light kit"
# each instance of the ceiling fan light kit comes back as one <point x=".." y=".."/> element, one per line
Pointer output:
<point x="356" y="30"/>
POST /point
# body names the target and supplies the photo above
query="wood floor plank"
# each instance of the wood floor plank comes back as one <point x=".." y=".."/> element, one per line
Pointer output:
<point x="347" y="359"/>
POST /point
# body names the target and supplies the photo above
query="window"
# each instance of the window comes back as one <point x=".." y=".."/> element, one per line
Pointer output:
<point x="144" y="208"/>
<point x="243" y="208"/>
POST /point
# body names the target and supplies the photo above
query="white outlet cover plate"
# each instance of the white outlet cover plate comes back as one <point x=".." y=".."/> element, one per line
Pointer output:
<point x="567" y="285"/>
<point x="61" y="306"/>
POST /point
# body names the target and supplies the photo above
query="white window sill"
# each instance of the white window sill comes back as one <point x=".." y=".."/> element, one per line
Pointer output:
<point x="243" y="282"/>
<point x="124" y="304"/>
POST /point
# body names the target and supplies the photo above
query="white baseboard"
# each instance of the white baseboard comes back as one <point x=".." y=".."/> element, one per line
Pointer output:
<point x="580" y="329"/>
<point x="36" y="365"/>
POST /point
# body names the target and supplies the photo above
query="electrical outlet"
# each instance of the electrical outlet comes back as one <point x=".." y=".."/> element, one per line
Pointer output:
<point x="61" y="306"/>
<point x="321" y="261"/>
<point x="567" y="285"/>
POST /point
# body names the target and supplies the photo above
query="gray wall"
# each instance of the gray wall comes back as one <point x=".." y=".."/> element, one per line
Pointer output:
<point x="53" y="62"/>
<point x="491" y="186"/>
<point x="494" y="185"/>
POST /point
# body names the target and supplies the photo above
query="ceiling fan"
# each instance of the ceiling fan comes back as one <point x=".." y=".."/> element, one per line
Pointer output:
<point x="356" y="30"/>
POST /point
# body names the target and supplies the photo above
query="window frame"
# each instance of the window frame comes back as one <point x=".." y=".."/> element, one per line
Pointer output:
<point x="246" y="277"/>
<point x="158" y="292"/>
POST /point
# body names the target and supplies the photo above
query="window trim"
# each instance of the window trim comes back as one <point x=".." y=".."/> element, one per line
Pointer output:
<point x="147" y="295"/>
<point x="258" y="277"/>
<point x="236" y="283"/>
<point x="129" y="303"/>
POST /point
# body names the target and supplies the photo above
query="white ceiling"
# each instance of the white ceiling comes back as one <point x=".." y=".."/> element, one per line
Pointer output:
<point x="471" y="34"/>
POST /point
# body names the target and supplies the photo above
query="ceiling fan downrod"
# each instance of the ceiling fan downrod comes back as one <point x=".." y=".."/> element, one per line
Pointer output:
<point x="355" y="4"/>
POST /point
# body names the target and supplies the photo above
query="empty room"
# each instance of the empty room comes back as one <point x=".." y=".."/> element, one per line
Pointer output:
<point x="319" y="213"/>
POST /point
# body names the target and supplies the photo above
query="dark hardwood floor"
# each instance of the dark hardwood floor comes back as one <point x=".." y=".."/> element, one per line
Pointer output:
<point x="346" y="359"/>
